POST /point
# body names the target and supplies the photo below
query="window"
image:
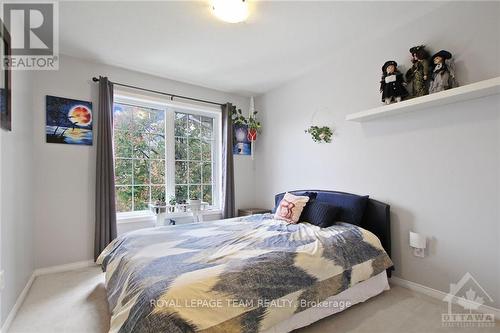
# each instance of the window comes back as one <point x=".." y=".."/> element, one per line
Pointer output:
<point x="139" y="139"/>
<point x="194" y="141"/>
<point x="164" y="151"/>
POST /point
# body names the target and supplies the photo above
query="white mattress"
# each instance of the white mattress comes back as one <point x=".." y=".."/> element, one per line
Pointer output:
<point x="356" y="294"/>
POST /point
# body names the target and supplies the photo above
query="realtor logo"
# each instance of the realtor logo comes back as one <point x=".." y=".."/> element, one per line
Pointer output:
<point x="33" y="28"/>
<point x="469" y="294"/>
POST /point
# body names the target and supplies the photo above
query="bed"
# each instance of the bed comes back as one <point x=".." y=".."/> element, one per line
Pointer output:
<point x="249" y="274"/>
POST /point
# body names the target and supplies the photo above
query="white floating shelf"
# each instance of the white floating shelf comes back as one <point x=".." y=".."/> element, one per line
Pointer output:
<point x="470" y="91"/>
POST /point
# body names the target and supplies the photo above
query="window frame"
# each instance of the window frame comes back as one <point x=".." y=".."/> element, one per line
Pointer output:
<point x="170" y="107"/>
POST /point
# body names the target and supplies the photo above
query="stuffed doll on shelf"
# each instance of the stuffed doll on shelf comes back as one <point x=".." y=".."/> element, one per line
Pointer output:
<point x="418" y="74"/>
<point x="443" y="73"/>
<point x="392" y="83"/>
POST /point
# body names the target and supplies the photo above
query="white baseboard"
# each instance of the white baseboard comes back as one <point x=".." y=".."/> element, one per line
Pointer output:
<point x="17" y="305"/>
<point x="64" y="268"/>
<point x="38" y="272"/>
<point x="438" y="294"/>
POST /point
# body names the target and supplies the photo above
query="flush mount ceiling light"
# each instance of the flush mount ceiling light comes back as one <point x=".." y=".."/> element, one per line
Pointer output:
<point x="231" y="11"/>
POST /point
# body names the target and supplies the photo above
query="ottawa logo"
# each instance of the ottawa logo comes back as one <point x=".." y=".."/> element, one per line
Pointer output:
<point x="469" y="295"/>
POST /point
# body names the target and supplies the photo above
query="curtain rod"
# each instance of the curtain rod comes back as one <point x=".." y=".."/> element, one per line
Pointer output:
<point x="172" y="96"/>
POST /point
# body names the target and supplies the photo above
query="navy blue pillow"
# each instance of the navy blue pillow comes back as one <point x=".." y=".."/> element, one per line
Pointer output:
<point x="320" y="213"/>
<point x="352" y="208"/>
<point x="312" y="196"/>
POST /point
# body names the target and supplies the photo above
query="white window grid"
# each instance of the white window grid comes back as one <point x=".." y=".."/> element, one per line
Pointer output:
<point x="201" y="162"/>
<point x="170" y="109"/>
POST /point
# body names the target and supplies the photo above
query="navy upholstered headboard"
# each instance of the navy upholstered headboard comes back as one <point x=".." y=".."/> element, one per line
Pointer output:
<point x="376" y="217"/>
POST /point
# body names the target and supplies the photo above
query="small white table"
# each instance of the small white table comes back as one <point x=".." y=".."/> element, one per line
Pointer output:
<point x="163" y="212"/>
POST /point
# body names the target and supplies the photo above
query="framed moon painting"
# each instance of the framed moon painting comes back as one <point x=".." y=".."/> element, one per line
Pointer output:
<point x="69" y="121"/>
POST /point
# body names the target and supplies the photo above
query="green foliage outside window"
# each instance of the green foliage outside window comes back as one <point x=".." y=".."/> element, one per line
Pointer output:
<point x="194" y="141"/>
<point x="139" y="142"/>
<point x="140" y="157"/>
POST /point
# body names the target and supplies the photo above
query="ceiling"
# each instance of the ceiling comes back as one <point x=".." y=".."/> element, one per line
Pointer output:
<point x="181" y="40"/>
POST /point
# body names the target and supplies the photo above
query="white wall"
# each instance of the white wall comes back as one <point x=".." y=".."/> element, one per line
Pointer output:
<point x="439" y="169"/>
<point x="65" y="174"/>
<point x="16" y="214"/>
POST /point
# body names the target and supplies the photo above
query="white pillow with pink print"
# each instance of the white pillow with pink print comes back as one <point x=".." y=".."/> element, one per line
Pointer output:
<point x="290" y="208"/>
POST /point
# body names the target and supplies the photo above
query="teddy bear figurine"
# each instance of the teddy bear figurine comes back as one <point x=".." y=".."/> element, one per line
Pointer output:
<point x="392" y="85"/>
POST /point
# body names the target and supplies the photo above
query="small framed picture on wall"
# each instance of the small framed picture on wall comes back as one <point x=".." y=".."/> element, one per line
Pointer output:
<point x="5" y="80"/>
<point x="69" y="121"/>
<point x="241" y="143"/>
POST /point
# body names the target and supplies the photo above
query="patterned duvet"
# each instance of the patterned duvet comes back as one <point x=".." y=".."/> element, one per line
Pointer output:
<point x="242" y="275"/>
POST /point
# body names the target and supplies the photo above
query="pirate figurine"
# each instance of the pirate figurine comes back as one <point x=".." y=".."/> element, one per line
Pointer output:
<point x="392" y="83"/>
<point x="418" y="74"/>
<point x="443" y="73"/>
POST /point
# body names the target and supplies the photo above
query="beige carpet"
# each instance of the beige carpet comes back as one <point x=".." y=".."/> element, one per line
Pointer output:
<point x="75" y="301"/>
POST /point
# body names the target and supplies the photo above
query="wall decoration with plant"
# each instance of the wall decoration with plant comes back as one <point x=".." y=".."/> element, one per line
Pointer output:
<point x="251" y="122"/>
<point x="241" y="144"/>
<point x="321" y="134"/>
<point x="245" y="130"/>
<point x="253" y="126"/>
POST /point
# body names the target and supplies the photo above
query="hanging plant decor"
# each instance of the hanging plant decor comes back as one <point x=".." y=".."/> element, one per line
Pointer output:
<point x="320" y="134"/>
<point x="253" y="126"/>
<point x="245" y="130"/>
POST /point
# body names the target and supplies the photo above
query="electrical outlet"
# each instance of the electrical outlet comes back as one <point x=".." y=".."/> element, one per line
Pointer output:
<point x="2" y="280"/>
<point x="418" y="252"/>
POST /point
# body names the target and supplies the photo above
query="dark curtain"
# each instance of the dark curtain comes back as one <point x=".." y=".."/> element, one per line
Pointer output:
<point x="227" y="162"/>
<point x="105" y="212"/>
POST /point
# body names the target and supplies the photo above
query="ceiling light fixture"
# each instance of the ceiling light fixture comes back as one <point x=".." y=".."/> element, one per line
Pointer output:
<point x="231" y="11"/>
